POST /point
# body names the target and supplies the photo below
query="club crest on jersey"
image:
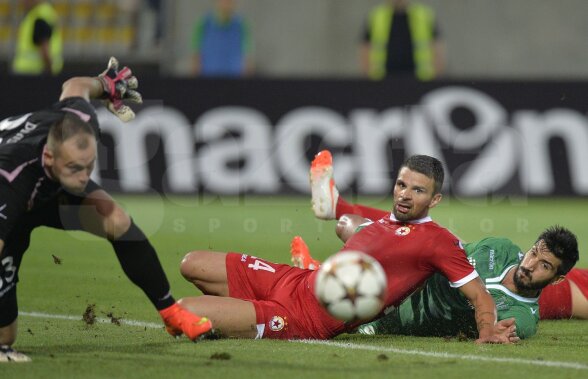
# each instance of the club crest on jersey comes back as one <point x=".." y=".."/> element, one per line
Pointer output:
<point x="277" y="323"/>
<point x="402" y="231"/>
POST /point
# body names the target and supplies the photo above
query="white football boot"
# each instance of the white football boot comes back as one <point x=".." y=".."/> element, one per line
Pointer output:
<point x="322" y="186"/>
<point x="8" y="354"/>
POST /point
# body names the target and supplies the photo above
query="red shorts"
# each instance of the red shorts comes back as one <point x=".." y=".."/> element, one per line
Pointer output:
<point x="285" y="305"/>
<point x="555" y="301"/>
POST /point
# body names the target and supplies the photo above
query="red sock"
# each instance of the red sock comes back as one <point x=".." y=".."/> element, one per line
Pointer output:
<point x="343" y="207"/>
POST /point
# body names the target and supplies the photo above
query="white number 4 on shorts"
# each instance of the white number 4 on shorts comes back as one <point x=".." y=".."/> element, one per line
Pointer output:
<point x="259" y="265"/>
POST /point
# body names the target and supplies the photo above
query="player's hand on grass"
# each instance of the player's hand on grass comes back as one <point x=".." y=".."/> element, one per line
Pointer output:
<point x="119" y="85"/>
<point x="509" y="327"/>
<point x="505" y="332"/>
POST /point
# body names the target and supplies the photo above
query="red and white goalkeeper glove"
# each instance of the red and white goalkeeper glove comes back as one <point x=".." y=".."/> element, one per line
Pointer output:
<point x="118" y="86"/>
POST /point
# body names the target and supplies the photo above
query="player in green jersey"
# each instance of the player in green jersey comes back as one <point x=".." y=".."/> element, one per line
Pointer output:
<point x="438" y="310"/>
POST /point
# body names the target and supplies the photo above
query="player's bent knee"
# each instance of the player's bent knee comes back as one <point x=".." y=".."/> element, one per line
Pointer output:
<point x="341" y="227"/>
<point x="104" y="217"/>
<point x="118" y="223"/>
<point x="346" y="226"/>
<point x="191" y="265"/>
<point x="207" y="271"/>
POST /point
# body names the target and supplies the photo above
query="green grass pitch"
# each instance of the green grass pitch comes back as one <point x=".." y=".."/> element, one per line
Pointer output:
<point x="89" y="273"/>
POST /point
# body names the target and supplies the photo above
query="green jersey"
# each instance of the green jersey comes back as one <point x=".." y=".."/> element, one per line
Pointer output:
<point x="440" y="310"/>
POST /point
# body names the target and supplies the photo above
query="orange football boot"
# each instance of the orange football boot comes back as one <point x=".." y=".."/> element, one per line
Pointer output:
<point x="179" y="320"/>
<point x="300" y="255"/>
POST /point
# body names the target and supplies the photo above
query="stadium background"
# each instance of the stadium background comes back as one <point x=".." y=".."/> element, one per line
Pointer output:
<point x="498" y="39"/>
<point x="508" y="118"/>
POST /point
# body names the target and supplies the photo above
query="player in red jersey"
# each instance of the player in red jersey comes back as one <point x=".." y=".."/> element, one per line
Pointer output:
<point x="562" y="300"/>
<point x="566" y="299"/>
<point x="249" y="297"/>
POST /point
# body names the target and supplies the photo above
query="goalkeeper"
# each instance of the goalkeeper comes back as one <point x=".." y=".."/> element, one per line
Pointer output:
<point x="46" y="159"/>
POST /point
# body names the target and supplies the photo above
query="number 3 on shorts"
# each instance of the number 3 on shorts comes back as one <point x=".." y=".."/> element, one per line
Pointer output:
<point x="9" y="271"/>
<point x="260" y="265"/>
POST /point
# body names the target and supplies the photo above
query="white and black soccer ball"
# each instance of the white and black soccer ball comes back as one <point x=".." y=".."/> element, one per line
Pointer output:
<point x="351" y="285"/>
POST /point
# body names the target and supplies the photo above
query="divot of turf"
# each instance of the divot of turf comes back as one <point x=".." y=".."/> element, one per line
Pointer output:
<point x="221" y="356"/>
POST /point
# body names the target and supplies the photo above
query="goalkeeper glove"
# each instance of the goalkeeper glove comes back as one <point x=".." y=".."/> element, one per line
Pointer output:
<point x="119" y="86"/>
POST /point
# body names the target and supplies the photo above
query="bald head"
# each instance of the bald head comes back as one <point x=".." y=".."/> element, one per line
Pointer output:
<point x="71" y="126"/>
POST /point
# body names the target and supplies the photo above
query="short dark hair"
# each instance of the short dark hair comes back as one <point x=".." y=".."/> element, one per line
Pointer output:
<point x="563" y="244"/>
<point x="68" y="126"/>
<point x="428" y="166"/>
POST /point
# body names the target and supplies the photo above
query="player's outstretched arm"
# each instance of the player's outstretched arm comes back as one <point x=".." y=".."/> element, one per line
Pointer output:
<point x="82" y="86"/>
<point x="112" y="85"/>
<point x="485" y="309"/>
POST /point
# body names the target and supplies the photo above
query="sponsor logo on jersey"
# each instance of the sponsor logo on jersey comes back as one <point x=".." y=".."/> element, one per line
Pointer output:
<point x="13" y="123"/>
<point x="491" y="260"/>
<point x="533" y="310"/>
<point x="29" y="127"/>
<point x="501" y="303"/>
<point x="243" y="257"/>
<point x="277" y="323"/>
<point x="2" y="215"/>
<point x="402" y="231"/>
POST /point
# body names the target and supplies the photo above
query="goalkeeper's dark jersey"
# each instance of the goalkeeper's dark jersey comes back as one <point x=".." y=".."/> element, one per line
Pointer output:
<point x="439" y="310"/>
<point x="24" y="183"/>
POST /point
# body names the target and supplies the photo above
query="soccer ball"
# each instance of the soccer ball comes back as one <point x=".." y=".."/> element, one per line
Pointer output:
<point x="351" y="285"/>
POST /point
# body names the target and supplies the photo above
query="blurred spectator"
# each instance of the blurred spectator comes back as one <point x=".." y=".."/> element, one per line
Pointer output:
<point x="156" y="7"/>
<point x="222" y="43"/>
<point x="401" y="37"/>
<point x="39" y="42"/>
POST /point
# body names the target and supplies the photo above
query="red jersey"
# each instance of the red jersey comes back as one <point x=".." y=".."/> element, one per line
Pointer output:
<point x="555" y="301"/>
<point x="410" y="253"/>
